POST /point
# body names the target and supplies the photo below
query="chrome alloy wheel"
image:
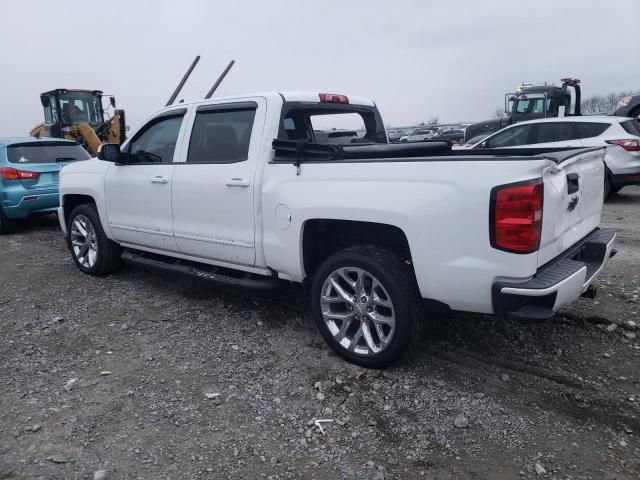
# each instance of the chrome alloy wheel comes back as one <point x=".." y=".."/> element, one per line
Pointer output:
<point x="357" y="311"/>
<point x="84" y="241"/>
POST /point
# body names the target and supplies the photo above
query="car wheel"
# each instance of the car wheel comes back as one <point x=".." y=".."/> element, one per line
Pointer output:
<point x="5" y="225"/>
<point x="366" y="304"/>
<point x="92" y="252"/>
<point x="607" y="186"/>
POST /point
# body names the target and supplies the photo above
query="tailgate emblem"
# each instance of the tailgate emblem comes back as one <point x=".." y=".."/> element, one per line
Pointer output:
<point x="572" y="203"/>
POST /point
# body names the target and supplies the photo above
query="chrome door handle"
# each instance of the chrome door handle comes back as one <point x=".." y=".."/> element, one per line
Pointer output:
<point x="159" y="179"/>
<point x="237" y="182"/>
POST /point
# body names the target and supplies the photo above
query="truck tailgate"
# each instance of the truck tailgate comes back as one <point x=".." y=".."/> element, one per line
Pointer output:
<point x="573" y="199"/>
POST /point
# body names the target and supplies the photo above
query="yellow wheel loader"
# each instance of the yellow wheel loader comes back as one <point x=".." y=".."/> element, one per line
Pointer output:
<point x="79" y="115"/>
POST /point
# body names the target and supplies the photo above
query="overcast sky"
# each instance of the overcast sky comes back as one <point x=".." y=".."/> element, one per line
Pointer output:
<point x="454" y="59"/>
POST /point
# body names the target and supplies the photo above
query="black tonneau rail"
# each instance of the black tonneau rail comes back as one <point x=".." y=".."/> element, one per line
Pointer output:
<point x="291" y="151"/>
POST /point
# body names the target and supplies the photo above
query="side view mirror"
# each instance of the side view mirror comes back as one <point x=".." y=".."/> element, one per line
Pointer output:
<point x="109" y="152"/>
<point x="112" y="101"/>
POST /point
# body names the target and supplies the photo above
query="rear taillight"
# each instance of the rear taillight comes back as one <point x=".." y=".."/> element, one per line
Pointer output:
<point x="13" y="174"/>
<point x="630" y="145"/>
<point x="333" y="98"/>
<point x="516" y="216"/>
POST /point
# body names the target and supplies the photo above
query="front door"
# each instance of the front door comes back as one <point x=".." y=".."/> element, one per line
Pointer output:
<point x="138" y="192"/>
<point x="213" y="189"/>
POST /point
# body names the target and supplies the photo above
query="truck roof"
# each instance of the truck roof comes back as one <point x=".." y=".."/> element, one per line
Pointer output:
<point x="548" y="89"/>
<point x="311" y="97"/>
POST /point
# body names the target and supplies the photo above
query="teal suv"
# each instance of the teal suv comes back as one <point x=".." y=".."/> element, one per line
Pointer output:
<point x="29" y="170"/>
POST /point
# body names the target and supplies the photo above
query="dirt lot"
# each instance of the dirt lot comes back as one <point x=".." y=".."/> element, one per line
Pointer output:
<point x="210" y="382"/>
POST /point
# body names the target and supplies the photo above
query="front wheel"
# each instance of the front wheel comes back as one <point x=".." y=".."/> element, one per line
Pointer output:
<point x="93" y="252"/>
<point x="366" y="305"/>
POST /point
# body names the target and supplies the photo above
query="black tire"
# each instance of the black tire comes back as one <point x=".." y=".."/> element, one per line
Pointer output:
<point x="397" y="278"/>
<point x="608" y="190"/>
<point x="6" y="226"/>
<point x="108" y="258"/>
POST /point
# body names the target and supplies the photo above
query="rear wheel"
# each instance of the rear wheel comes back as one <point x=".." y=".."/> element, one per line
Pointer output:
<point x="366" y="305"/>
<point x="93" y="252"/>
<point x="5" y="224"/>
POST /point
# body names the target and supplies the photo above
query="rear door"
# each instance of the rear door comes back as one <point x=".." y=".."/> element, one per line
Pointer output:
<point x="214" y="186"/>
<point x="573" y="199"/>
<point x="138" y="193"/>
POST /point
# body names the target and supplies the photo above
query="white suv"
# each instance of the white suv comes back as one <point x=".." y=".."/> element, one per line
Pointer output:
<point x="620" y="134"/>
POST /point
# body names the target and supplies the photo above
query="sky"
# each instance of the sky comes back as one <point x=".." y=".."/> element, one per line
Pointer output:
<point x="452" y="59"/>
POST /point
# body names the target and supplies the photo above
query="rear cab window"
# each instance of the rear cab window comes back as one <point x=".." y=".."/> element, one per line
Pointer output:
<point x="331" y="123"/>
<point x="46" y="152"/>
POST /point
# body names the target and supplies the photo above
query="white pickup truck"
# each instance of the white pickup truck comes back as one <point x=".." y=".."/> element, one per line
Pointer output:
<point x="238" y="190"/>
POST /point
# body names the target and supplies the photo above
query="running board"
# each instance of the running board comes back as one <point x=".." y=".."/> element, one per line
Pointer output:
<point x="202" y="271"/>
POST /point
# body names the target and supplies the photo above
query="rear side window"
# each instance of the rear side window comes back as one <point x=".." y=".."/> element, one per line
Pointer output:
<point x="46" y="153"/>
<point x="588" y="130"/>
<point x="631" y="126"/>
<point x="555" y="132"/>
<point x="221" y="136"/>
<point x="512" y="137"/>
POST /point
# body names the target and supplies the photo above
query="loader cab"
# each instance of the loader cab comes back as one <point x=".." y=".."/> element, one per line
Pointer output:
<point x="64" y="108"/>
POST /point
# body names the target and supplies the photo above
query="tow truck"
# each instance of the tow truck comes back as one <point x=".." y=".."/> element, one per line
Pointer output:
<point x="530" y="102"/>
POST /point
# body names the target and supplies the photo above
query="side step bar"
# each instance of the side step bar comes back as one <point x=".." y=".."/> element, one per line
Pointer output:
<point x="201" y="271"/>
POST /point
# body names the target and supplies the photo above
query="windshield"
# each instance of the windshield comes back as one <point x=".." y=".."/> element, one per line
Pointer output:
<point x="49" y="152"/>
<point x="79" y="107"/>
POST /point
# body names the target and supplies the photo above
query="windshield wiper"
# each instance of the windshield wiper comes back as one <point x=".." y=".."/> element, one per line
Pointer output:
<point x="66" y="159"/>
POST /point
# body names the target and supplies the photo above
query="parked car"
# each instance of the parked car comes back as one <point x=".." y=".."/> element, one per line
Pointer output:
<point x="29" y="176"/>
<point x="419" y="135"/>
<point x="621" y="136"/>
<point x="393" y="135"/>
<point x="203" y="189"/>
<point x="455" y="136"/>
<point x="337" y="137"/>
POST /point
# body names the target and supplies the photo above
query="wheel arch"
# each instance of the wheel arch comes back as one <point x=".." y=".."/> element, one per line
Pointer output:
<point x="321" y="237"/>
<point x="71" y="201"/>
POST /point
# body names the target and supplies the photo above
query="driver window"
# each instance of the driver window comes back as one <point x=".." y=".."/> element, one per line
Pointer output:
<point x="156" y="143"/>
<point x="512" y="137"/>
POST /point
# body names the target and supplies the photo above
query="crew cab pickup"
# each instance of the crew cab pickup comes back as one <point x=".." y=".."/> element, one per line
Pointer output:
<point x="239" y="191"/>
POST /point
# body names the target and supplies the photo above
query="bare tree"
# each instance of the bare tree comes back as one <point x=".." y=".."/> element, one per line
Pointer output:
<point x="602" y="103"/>
<point x="498" y="112"/>
<point x="433" y="120"/>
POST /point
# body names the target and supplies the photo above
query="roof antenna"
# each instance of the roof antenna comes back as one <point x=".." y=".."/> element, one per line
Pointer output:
<point x="219" y="81"/>
<point x="183" y="81"/>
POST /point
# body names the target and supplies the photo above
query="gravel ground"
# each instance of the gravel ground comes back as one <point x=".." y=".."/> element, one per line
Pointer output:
<point x="144" y="375"/>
